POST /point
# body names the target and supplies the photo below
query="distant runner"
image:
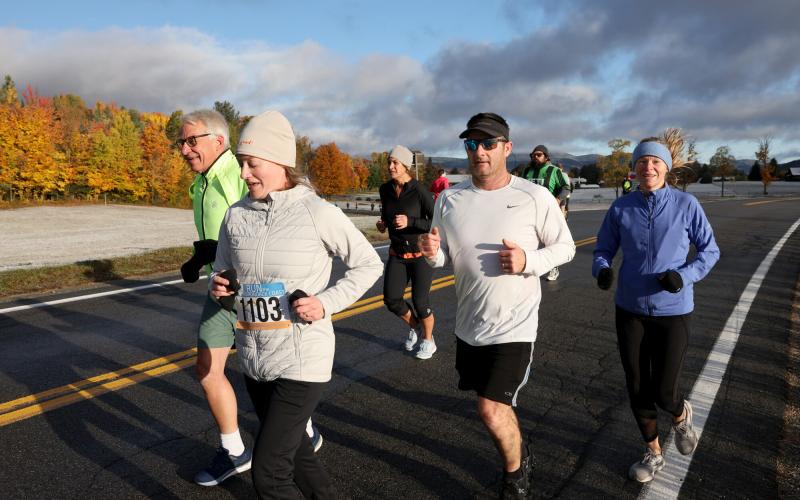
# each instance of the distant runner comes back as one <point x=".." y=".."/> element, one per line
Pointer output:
<point x="406" y="211"/>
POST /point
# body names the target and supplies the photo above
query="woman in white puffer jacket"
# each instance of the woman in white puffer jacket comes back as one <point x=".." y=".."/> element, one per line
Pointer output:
<point x="280" y="239"/>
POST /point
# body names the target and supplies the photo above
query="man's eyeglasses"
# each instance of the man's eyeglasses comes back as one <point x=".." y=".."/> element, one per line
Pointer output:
<point x="537" y="154"/>
<point x="191" y="140"/>
<point x="488" y="144"/>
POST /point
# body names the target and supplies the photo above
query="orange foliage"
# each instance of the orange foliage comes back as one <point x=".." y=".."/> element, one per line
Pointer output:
<point x="59" y="147"/>
<point x="331" y="170"/>
<point x="361" y="174"/>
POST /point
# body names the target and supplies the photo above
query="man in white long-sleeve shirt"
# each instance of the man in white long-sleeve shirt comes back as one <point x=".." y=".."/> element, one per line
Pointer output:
<point x="500" y="233"/>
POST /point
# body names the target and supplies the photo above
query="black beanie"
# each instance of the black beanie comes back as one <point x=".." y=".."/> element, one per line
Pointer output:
<point x="543" y="149"/>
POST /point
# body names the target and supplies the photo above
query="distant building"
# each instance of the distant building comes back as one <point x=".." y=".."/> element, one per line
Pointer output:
<point x="419" y="163"/>
<point x="793" y="174"/>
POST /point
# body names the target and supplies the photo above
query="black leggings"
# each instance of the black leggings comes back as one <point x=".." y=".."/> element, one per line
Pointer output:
<point x="398" y="272"/>
<point x="284" y="463"/>
<point x="652" y="349"/>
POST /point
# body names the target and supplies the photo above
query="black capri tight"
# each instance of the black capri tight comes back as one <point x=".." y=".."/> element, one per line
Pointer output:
<point x="652" y="349"/>
<point x="398" y="273"/>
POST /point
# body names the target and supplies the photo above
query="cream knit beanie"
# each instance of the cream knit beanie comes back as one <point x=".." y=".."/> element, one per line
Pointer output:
<point x="403" y="155"/>
<point x="269" y="136"/>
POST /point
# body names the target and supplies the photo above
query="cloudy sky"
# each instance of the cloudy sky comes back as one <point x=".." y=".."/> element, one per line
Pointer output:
<point x="571" y="74"/>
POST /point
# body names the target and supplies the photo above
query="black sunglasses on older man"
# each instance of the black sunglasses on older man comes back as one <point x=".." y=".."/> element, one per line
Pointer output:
<point x="488" y="144"/>
<point x="191" y="140"/>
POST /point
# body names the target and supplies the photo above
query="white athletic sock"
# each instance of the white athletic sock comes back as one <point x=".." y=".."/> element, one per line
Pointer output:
<point x="309" y="429"/>
<point x="233" y="443"/>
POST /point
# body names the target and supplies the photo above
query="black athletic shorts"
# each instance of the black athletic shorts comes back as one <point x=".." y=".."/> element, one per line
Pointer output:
<point x="495" y="372"/>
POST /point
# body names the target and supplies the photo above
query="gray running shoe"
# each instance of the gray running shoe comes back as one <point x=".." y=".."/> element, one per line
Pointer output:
<point x="685" y="436"/>
<point x="222" y="467"/>
<point x="645" y="470"/>
<point x="411" y="341"/>
<point x="553" y="274"/>
<point x="316" y="438"/>
<point x="426" y="349"/>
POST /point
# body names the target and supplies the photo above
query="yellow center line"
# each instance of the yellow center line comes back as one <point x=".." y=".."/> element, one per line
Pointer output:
<point x="36" y="404"/>
<point x="753" y="203"/>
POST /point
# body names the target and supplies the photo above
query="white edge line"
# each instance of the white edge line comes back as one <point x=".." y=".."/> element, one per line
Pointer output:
<point x="667" y="484"/>
<point x="78" y="298"/>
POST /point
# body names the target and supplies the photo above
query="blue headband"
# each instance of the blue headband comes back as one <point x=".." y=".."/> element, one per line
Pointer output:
<point x="651" y="148"/>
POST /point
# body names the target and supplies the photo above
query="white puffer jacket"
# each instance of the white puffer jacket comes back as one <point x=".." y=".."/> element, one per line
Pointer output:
<point x="290" y="238"/>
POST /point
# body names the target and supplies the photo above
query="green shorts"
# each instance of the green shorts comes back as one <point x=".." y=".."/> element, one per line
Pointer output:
<point x="217" y="326"/>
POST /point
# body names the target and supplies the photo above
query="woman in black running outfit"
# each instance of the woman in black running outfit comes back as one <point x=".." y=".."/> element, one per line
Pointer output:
<point x="406" y="211"/>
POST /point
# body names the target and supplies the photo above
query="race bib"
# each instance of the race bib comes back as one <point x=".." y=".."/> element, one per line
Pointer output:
<point x="262" y="306"/>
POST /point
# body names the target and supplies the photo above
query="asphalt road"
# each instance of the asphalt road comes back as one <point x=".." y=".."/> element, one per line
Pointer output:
<point x="394" y="426"/>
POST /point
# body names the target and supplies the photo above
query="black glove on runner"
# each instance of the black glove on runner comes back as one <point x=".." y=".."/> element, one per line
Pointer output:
<point x="228" y="302"/>
<point x="297" y="294"/>
<point x="204" y="253"/>
<point x="605" y="277"/>
<point x="190" y="270"/>
<point x="671" y="281"/>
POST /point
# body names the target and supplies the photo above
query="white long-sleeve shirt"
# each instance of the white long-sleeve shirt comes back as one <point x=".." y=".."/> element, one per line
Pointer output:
<point x="497" y="308"/>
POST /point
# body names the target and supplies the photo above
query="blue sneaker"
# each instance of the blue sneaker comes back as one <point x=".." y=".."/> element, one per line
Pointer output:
<point x="316" y="439"/>
<point x="223" y="466"/>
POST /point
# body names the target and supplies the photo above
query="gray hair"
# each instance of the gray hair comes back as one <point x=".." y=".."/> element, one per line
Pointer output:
<point x="214" y="121"/>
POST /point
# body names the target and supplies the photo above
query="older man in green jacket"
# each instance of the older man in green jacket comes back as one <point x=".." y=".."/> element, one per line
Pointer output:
<point x="204" y="145"/>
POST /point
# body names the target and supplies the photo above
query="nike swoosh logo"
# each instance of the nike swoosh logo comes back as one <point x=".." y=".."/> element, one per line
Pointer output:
<point x="511" y="206"/>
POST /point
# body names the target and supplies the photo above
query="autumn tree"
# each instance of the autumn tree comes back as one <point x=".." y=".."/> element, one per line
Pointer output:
<point x="116" y="159"/>
<point x="331" y="170"/>
<point x="167" y="177"/>
<point x="361" y="174"/>
<point x="305" y="153"/>
<point x="615" y="166"/>
<point x="173" y="127"/>
<point x="74" y="119"/>
<point x="227" y="110"/>
<point x="429" y="172"/>
<point x="377" y="166"/>
<point x="685" y="173"/>
<point x="722" y="164"/>
<point x="762" y="155"/>
<point x="8" y="94"/>
<point x="32" y="156"/>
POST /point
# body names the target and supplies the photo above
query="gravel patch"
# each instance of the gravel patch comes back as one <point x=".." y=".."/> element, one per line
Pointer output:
<point x="54" y="235"/>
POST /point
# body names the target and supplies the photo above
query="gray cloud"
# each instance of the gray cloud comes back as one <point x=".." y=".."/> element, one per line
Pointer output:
<point x="726" y="71"/>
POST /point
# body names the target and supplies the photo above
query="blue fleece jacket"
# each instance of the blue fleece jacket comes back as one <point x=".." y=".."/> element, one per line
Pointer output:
<point x="654" y="232"/>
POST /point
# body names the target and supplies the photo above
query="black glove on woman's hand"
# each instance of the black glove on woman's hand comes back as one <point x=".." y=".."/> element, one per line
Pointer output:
<point x="605" y="277"/>
<point x="228" y="302"/>
<point x="671" y="281"/>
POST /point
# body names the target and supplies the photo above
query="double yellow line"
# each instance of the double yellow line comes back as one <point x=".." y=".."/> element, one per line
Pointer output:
<point x="36" y="404"/>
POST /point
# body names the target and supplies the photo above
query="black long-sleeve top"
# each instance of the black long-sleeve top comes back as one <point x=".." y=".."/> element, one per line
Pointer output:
<point x="416" y="203"/>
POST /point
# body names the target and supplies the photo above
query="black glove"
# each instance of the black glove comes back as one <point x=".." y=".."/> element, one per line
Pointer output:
<point x="228" y="302"/>
<point x="204" y="253"/>
<point x="671" y="281"/>
<point x="205" y="250"/>
<point x="297" y="294"/>
<point x="605" y="278"/>
<point x="190" y="270"/>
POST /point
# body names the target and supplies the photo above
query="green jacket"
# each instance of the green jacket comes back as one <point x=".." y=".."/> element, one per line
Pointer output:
<point x="548" y="175"/>
<point x="213" y="191"/>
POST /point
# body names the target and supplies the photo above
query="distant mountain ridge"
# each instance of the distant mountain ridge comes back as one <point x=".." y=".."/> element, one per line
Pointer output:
<point x="569" y="161"/>
<point x="516" y="159"/>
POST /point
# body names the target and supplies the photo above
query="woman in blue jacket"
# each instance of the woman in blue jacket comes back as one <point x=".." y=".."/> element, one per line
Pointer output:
<point x="654" y="227"/>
